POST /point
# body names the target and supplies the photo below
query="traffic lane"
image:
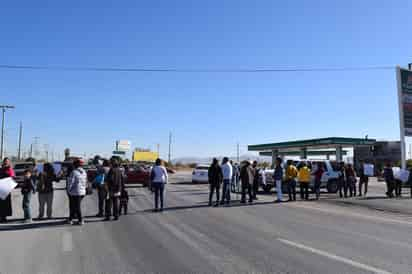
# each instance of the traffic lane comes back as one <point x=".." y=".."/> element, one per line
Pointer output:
<point x="230" y="247"/>
<point x="371" y="242"/>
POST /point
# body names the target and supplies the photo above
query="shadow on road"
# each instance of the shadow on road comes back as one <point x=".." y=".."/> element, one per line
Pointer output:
<point x="16" y="226"/>
<point x="235" y="203"/>
<point x="133" y="186"/>
<point x="188" y="183"/>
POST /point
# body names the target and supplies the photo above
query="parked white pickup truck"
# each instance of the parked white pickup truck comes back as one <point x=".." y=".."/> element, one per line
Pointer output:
<point x="329" y="178"/>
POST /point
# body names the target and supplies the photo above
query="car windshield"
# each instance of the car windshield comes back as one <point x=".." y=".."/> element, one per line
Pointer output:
<point x="202" y="168"/>
<point x="23" y="166"/>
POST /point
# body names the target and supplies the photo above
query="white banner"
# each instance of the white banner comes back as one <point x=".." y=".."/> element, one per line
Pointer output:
<point x="6" y="186"/>
<point x="368" y="170"/>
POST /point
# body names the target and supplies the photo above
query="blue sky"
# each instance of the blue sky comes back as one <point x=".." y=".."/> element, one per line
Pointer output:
<point x="208" y="113"/>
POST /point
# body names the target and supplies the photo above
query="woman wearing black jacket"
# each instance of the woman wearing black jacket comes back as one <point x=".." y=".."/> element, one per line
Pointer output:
<point x="215" y="175"/>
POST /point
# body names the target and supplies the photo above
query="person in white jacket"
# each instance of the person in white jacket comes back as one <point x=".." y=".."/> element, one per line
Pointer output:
<point x="159" y="179"/>
<point x="76" y="188"/>
<point x="227" y="171"/>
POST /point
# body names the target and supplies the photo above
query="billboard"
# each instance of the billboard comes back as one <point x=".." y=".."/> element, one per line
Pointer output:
<point x="406" y="100"/>
<point x="404" y="79"/>
<point x="145" y="156"/>
<point x="123" y="145"/>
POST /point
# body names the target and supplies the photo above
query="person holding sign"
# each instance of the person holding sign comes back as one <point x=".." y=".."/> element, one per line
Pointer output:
<point x="389" y="179"/>
<point x="363" y="179"/>
<point x="6" y="171"/>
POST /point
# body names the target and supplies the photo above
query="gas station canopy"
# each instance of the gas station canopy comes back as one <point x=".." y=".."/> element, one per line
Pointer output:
<point x="303" y="148"/>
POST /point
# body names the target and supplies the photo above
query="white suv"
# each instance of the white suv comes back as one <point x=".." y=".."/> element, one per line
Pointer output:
<point x="329" y="178"/>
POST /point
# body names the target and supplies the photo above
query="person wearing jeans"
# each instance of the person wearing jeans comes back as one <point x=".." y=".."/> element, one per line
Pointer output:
<point x="227" y="177"/>
<point x="159" y="179"/>
<point x="45" y="190"/>
<point x="99" y="182"/>
<point x="27" y="188"/>
<point x="77" y="183"/>
<point x="278" y="176"/>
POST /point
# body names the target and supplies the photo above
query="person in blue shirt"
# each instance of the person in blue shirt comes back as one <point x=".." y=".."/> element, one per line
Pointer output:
<point x="278" y="177"/>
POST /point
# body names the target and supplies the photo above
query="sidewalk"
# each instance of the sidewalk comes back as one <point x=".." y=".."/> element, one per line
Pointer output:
<point x="377" y="200"/>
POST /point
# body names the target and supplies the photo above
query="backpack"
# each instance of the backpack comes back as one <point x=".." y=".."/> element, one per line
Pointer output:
<point x="99" y="179"/>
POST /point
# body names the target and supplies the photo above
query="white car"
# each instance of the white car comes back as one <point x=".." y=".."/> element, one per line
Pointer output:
<point x="200" y="174"/>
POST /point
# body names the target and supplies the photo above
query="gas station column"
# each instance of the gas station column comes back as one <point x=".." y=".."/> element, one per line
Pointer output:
<point x="339" y="157"/>
<point x="274" y="155"/>
<point x="303" y="153"/>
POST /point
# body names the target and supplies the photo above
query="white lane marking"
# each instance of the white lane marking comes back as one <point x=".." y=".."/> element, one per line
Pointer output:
<point x="67" y="242"/>
<point x="335" y="257"/>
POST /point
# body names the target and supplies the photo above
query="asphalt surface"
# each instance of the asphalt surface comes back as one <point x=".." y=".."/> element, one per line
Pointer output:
<point x="190" y="237"/>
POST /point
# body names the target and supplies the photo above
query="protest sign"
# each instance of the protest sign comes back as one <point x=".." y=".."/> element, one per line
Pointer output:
<point x="6" y="186"/>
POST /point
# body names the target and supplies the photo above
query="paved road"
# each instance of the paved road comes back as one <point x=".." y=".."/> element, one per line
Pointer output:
<point x="189" y="237"/>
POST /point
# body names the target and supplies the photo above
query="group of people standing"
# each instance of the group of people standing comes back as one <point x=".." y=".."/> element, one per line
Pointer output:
<point x="109" y="183"/>
<point x="228" y="175"/>
<point x="291" y="175"/>
<point x="33" y="182"/>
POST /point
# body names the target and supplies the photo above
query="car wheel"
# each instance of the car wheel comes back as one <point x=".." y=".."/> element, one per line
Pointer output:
<point x="332" y="186"/>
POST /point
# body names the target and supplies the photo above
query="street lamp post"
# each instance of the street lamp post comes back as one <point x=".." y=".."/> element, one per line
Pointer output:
<point x="3" y="107"/>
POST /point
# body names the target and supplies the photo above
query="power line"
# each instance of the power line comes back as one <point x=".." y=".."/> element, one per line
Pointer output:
<point x="199" y="70"/>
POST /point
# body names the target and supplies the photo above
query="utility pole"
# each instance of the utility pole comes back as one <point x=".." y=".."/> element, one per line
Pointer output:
<point x="170" y="147"/>
<point x="46" y="151"/>
<point x="158" y="150"/>
<point x="3" y="107"/>
<point x="20" y="135"/>
<point x="238" y="159"/>
<point x="35" y="149"/>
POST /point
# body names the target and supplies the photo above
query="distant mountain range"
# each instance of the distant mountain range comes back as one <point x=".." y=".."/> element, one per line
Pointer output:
<point x="207" y="160"/>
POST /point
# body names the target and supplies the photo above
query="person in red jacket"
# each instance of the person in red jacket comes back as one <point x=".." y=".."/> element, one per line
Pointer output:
<point x="5" y="205"/>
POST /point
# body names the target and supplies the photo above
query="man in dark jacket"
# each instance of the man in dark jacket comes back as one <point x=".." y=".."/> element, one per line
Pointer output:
<point x="215" y="175"/>
<point x="363" y="179"/>
<point x="389" y="179"/>
<point x="247" y="181"/>
<point x="255" y="180"/>
<point x="114" y="185"/>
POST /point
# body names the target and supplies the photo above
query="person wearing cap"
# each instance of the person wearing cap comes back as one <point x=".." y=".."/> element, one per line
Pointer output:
<point x="45" y="190"/>
<point x="246" y="177"/>
<point x="76" y="187"/>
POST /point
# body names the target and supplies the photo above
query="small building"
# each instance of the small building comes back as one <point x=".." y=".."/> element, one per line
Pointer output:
<point x="379" y="153"/>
